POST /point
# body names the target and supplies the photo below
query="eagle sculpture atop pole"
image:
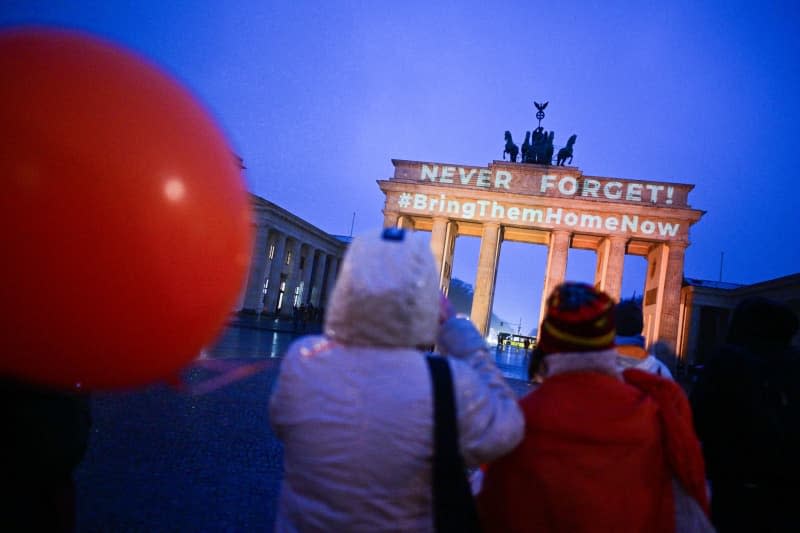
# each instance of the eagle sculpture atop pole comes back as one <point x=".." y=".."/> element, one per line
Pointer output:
<point x="540" y="112"/>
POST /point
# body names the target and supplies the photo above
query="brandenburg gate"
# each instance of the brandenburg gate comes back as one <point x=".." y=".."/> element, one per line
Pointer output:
<point x="557" y="206"/>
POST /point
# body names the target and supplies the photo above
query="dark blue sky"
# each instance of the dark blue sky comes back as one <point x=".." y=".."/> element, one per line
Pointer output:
<point x="319" y="96"/>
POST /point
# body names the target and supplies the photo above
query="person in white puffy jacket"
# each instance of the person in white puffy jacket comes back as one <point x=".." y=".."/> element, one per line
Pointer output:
<point x="354" y="407"/>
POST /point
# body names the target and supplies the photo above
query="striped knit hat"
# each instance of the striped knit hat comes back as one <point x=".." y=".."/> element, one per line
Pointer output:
<point x="579" y="318"/>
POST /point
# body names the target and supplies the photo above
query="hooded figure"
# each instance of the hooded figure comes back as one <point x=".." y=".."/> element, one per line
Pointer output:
<point x="603" y="450"/>
<point x="354" y="406"/>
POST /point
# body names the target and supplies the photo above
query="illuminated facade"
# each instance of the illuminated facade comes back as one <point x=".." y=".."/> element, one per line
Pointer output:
<point x="556" y="206"/>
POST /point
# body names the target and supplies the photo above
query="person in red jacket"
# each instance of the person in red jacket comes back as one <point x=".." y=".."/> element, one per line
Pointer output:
<point x="604" y="450"/>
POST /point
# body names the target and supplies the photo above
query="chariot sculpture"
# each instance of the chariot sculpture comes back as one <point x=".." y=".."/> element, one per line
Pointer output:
<point x="538" y="147"/>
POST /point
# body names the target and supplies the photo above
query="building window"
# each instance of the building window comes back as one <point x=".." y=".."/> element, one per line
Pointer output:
<point x="302" y="262"/>
<point x="281" y="289"/>
<point x="271" y="253"/>
<point x="298" y="294"/>
<point x="266" y="286"/>
<point x="289" y="257"/>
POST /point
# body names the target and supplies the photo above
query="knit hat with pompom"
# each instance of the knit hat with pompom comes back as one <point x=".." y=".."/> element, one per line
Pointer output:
<point x="578" y="318"/>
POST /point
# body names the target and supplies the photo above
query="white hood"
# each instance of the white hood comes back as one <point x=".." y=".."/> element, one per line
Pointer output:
<point x="387" y="293"/>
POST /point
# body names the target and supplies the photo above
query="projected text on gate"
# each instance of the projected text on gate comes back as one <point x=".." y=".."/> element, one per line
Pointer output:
<point x="549" y="184"/>
<point x="557" y="205"/>
<point x="546" y="217"/>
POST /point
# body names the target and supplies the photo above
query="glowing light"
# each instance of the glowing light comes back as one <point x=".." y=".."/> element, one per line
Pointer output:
<point x="174" y="190"/>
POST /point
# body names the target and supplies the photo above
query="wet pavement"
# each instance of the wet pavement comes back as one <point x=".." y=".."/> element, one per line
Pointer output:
<point x="161" y="459"/>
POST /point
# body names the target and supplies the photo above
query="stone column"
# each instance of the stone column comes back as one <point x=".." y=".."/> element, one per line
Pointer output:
<point x="292" y="279"/>
<point x="684" y="322"/>
<point x="275" y="270"/>
<point x="438" y="234"/>
<point x="319" y="278"/>
<point x="333" y="269"/>
<point x="601" y="266"/>
<point x="610" y="265"/>
<point x="689" y="355"/>
<point x="390" y="219"/>
<point x="671" y="301"/>
<point x="556" y="266"/>
<point x="405" y="222"/>
<point x="654" y="291"/>
<point x="308" y="266"/>
<point x="252" y="298"/>
<point x="447" y="262"/>
<point x="485" y="277"/>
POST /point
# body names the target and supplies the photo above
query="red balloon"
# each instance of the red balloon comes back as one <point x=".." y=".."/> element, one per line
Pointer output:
<point x="126" y="227"/>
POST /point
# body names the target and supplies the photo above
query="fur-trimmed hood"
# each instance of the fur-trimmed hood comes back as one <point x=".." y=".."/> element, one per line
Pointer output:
<point x="387" y="293"/>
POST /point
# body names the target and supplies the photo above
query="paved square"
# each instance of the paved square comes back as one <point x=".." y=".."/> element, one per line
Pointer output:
<point x="162" y="460"/>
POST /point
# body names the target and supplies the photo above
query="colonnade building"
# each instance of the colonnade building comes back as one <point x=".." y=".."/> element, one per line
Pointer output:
<point x="707" y="308"/>
<point x="294" y="263"/>
<point x="558" y="207"/>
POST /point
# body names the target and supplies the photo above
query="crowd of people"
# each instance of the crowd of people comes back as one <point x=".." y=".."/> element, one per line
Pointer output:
<point x="380" y="431"/>
<point x="606" y="442"/>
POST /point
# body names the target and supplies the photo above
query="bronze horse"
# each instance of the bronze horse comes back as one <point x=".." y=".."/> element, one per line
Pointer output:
<point x="526" y="147"/>
<point x="566" y="152"/>
<point x="511" y="149"/>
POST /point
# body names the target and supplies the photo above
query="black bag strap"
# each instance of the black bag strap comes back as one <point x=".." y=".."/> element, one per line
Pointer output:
<point x="454" y="507"/>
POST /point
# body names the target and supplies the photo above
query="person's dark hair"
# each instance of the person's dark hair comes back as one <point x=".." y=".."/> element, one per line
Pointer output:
<point x="758" y="321"/>
<point x="628" y="316"/>
<point x="535" y="363"/>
